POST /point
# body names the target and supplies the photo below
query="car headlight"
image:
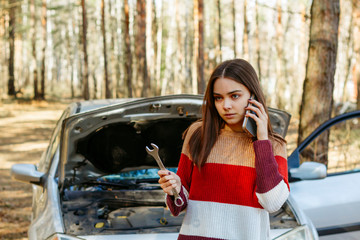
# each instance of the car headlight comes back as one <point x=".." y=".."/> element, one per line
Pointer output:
<point x="298" y="233"/>
<point x="58" y="236"/>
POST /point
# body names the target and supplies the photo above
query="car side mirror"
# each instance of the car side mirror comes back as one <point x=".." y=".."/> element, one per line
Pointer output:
<point x="309" y="171"/>
<point x="27" y="173"/>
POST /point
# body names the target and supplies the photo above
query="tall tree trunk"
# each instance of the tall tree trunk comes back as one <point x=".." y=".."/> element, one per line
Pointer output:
<point x="285" y="72"/>
<point x="356" y="82"/>
<point x="148" y="29"/>
<point x="106" y="77"/>
<point x="116" y="41"/>
<point x="128" y="55"/>
<point x="25" y="58"/>
<point x="257" y="40"/>
<point x="33" y="46"/>
<point x="12" y="24"/>
<point x="356" y="68"/>
<point x="194" y="83"/>
<point x="188" y="51"/>
<point x="178" y="66"/>
<point x="114" y="85"/>
<point x="281" y="76"/>
<point x="167" y="83"/>
<point x="317" y="100"/>
<point x="154" y="31"/>
<point x="200" y="53"/>
<point x="44" y="32"/>
<point x="73" y="49"/>
<point x="72" y="89"/>
<point x="349" y="51"/>
<point x="218" y="5"/>
<point x="93" y="74"/>
<point x="86" y="93"/>
<point x="3" y="47"/>
<point x="279" y="50"/>
<point x="234" y="27"/>
<point x="159" y="47"/>
<point x="245" y="46"/>
<point x="140" y="47"/>
<point x="120" y="78"/>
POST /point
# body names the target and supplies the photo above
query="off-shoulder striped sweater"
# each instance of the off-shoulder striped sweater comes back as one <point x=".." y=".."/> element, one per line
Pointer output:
<point x="231" y="197"/>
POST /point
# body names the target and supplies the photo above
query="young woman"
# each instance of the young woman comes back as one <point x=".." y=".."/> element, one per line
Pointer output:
<point x="229" y="181"/>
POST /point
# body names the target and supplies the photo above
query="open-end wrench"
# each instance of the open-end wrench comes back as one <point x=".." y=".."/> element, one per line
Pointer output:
<point x="155" y="154"/>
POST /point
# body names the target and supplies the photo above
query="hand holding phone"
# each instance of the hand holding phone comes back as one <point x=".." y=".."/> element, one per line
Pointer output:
<point x="249" y="124"/>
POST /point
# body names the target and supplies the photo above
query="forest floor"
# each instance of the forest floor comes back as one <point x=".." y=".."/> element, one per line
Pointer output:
<point x="25" y="130"/>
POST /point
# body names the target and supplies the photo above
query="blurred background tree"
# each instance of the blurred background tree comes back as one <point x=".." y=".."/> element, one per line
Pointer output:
<point x="65" y="49"/>
<point x="317" y="99"/>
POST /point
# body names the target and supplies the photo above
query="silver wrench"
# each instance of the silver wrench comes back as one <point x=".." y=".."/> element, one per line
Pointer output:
<point x="155" y="154"/>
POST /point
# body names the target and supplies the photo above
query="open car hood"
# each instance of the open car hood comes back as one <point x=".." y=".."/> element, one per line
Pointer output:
<point x="112" y="139"/>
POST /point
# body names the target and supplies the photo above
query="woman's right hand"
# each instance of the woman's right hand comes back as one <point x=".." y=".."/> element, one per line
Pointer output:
<point x="168" y="181"/>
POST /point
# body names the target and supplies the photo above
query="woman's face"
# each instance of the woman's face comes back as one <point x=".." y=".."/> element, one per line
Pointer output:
<point x="231" y="98"/>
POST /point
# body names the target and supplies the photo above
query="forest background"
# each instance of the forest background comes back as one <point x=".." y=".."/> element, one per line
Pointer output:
<point x="135" y="48"/>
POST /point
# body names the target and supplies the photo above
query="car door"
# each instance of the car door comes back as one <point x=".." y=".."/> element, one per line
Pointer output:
<point x="39" y="196"/>
<point x="332" y="203"/>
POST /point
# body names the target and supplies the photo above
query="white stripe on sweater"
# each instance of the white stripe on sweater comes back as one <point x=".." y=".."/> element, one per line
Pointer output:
<point x="273" y="200"/>
<point x="225" y="221"/>
<point x="186" y="193"/>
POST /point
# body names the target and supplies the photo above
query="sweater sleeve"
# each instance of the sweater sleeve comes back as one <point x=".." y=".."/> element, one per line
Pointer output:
<point x="272" y="187"/>
<point x="184" y="171"/>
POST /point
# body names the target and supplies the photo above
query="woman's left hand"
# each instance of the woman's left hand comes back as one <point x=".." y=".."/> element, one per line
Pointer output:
<point x="261" y="119"/>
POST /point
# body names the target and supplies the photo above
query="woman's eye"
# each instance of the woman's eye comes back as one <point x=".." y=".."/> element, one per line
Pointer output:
<point x="235" y="96"/>
<point x="217" y="98"/>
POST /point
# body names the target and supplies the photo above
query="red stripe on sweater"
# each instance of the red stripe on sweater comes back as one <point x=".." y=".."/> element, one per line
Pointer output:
<point x="224" y="184"/>
<point x="238" y="182"/>
<point x="283" y="168"/>
<point x="184" y="171"/>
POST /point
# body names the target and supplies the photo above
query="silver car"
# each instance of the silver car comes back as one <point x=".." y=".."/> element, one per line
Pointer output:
<point x="332" y="203"/>
<point x="96" y="181"/>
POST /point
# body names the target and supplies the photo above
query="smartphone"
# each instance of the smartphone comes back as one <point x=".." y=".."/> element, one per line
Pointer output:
<point x="249" y="124"/>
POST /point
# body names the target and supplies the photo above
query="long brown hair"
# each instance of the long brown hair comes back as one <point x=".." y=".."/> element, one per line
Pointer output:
<point x="204" y="137"/>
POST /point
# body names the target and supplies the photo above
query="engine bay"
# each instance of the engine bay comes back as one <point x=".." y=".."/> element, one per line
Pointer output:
<point x="112" y="210"/>
<point x="117" y="212"/>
